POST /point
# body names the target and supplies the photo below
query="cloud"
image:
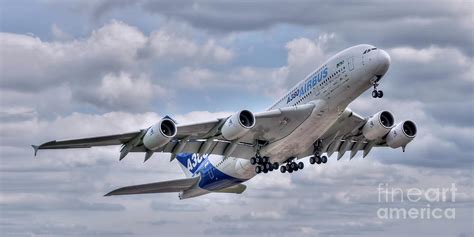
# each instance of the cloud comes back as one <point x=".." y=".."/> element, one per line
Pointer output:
<point x="123" y="91"/>
<point x="386" y="23"/>
<point x="112" y="64"/>
<point x="98" y="67"/>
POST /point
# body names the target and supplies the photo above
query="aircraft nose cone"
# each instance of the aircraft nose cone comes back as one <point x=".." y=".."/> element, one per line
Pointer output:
<point x="383" y="63"/>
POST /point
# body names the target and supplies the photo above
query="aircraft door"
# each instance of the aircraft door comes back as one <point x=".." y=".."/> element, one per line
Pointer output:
<point x="350" y="63"/>
<point x="211" y="174"/>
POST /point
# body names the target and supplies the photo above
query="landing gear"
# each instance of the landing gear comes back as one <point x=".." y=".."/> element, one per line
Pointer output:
<point x="253" y="161"/>
<point x="263" y="165"/>
<point x="377" y="93"/>
<point x="291" y="166"/>
<point x="318" y="159"/>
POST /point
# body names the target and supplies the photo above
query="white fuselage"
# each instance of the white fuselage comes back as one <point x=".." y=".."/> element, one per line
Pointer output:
<point x="331" y="88"/>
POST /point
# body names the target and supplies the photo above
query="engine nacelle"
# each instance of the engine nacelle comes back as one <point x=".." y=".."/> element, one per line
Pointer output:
<point x="402" y="134"/>
<point x="378" y="125"/>
<point x="159" y="134"/>
<point x="237" y="125"/>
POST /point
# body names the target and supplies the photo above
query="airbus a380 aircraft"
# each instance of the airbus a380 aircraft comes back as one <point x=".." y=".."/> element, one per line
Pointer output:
<point x="310" y="120"/>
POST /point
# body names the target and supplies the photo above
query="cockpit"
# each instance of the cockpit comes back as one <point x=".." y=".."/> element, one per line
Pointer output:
<point x="368" y="50"/>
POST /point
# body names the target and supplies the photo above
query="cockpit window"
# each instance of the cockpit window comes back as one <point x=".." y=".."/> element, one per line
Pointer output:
<point x="368" y="50"/>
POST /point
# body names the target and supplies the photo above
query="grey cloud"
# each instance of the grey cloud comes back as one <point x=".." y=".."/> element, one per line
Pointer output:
<point x="445" y="23"/>
<point x="106" y="70"/>
<point x="169" y="206"/>
<point x="60" y="205"/>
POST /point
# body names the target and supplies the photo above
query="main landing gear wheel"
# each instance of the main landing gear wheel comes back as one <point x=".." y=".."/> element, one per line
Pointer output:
<point x="318" y="160"/>
<point x="253" y="161"/>
<point x="291" y="167"/>
<point x="262" y="164"/>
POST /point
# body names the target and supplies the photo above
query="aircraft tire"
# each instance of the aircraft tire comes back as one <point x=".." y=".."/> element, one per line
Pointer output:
<point x="380" y="94"/>
<point x="253" y="161"/>
<point x="375" y="94"/>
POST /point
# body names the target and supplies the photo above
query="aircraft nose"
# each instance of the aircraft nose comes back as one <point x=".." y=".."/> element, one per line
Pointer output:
<point x="383" y="63"/>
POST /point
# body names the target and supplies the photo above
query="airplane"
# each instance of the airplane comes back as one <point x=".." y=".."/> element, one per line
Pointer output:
<point x="312" y="119"/>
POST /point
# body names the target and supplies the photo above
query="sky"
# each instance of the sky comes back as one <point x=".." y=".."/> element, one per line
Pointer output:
<point x="73" y="68"/>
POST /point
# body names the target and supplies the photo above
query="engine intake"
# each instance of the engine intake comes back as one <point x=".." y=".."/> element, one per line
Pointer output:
<point x="378" y="125"/>
<point x="159" y="134"/>
<point x="237" y="125"/>
<point x="402" y="134"/>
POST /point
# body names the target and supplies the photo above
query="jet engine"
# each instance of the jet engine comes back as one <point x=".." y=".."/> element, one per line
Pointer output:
<point x="159" y="134"/>
<point x="237" y="125"/>
<point x="402" y="134"/>
<point x="378" y="125"/>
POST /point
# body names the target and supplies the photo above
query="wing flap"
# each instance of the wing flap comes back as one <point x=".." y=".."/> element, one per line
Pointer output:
<point x="170" y="186"/>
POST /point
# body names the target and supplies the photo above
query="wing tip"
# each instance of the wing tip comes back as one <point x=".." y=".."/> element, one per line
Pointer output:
<point x="111" y="193"/>
<point x="36" y="148"/>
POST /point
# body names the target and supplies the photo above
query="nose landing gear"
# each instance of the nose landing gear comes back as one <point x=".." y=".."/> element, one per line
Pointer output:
<point x="377" y="93"/>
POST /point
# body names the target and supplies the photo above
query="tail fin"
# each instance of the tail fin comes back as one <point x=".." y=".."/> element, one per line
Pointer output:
<point x="190" y="162"/>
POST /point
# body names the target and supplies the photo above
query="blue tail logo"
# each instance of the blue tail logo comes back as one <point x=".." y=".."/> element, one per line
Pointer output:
<point x="191" y="161"/>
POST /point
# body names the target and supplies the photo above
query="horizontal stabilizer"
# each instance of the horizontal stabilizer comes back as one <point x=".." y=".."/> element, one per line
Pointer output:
<point x="238" y="189"/>
<point x="159" y="187"/>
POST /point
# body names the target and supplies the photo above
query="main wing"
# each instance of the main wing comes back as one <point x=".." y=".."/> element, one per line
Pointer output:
<point x="354" y="133"/>
<point x="203" y="137"/>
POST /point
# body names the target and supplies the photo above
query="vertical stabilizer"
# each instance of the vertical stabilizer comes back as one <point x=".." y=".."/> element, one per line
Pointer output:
<point x="190" y="162"/>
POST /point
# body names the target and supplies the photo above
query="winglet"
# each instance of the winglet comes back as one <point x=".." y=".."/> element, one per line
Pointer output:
<point x="35" y="148"/>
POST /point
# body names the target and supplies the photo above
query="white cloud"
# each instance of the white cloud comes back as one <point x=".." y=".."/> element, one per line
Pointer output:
<point x="59" y="34"/>
<point x="125" y="90"/>
<point x="85" y="64"/>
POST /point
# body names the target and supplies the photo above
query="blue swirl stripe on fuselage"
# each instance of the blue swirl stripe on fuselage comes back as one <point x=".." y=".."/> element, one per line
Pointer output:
<point x="213" y="179"/>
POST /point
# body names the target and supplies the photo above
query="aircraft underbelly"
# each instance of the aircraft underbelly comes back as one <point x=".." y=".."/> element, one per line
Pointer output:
<point x="303" y="137"/>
